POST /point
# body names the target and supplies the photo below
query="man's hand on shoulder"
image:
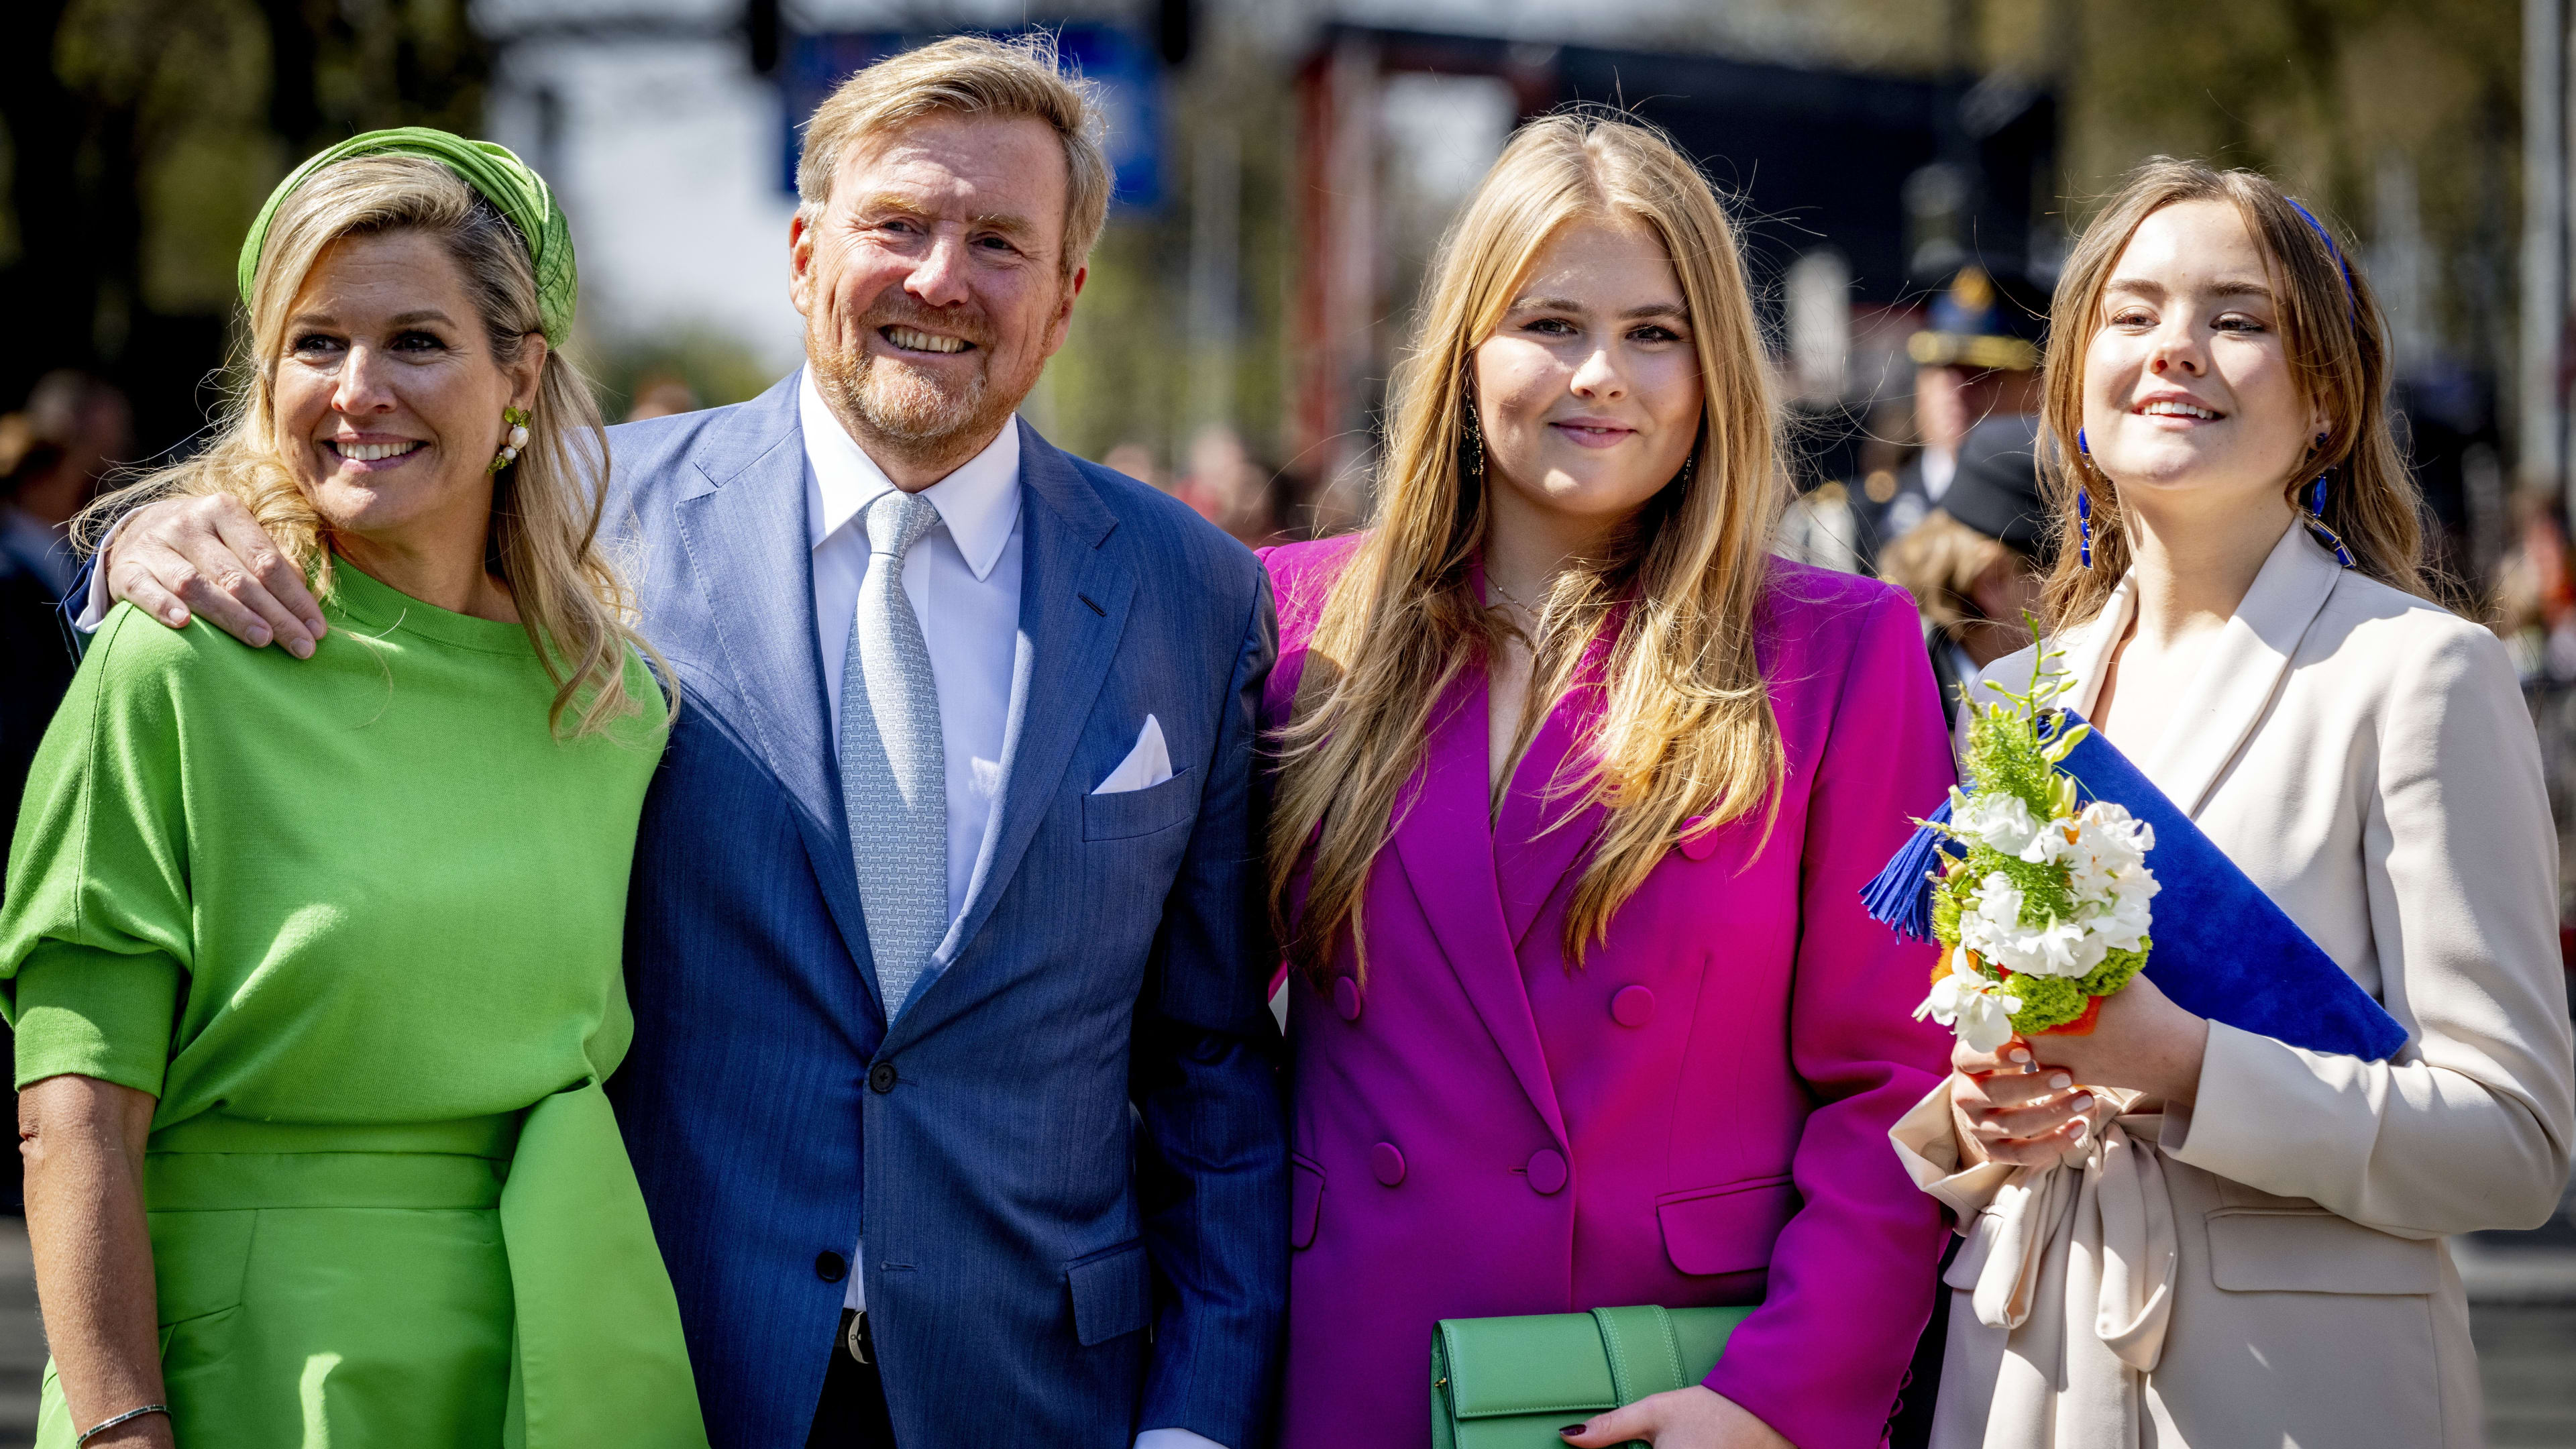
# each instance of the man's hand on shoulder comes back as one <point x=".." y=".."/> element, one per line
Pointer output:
<point x="207" y="556"/>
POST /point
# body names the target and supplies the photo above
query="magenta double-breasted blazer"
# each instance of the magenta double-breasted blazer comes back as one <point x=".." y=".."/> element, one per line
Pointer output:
<point x="1697" y="1114"/>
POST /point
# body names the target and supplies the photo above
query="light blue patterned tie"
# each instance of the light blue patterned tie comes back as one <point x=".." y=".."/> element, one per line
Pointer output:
<point x="894" y="777"/>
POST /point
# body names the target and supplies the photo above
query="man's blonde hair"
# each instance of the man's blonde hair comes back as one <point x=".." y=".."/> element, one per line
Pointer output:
<point x="970" y="76"/>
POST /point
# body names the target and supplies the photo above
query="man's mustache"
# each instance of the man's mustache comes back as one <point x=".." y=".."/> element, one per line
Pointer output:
<point x="964" y="322"/>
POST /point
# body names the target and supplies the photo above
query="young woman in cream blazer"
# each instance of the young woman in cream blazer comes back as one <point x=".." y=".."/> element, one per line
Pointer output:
<point x="2180" y="1233"/>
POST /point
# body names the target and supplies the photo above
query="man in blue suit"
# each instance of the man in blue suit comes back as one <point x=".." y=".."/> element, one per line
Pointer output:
<point x="951" y="1091"/>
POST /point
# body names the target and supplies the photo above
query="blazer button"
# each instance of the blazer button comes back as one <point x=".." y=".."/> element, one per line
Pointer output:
<point x="831" y="1267"/>
<point x="1346" y="997"/>
<point x="1698" y="844"/>
<point x="1387" y="1161"/>
<point x="1546" y="1171"/>
<point x="881" y="1078"/>
<point x="1632" y="1006"/>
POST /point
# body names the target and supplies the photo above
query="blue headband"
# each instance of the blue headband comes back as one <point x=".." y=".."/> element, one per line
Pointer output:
<point x="2351" y="299"/>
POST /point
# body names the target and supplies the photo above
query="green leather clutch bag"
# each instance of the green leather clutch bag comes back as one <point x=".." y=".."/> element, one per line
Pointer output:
<point x="1511" y="1383"/>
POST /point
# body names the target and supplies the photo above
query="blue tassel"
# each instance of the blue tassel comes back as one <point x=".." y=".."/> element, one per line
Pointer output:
<point x="1901" y="896"/>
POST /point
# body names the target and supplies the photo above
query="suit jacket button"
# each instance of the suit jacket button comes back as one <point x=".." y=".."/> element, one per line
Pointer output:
<point x="1632" y="1006"/>
<point x="881" y="1078"/>
<point x="1346" y="997"/>
<point x="1698" y="844"/>
<point x="1386" y="1160"/>
<point x="1546" y="1171"/>
<point x="831" y="1267"/>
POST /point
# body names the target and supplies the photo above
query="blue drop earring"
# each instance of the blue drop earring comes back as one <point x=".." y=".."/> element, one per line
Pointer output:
<point x="2316" y="518"/>
<point x="2084" y="506"/>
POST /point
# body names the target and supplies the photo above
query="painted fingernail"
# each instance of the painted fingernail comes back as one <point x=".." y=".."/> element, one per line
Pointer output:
<point x="2083" y="1102"/>
<point x="2017" y="1054"/>
<point x="1569" y="1431"/>
<point x="2059" y="1081"/>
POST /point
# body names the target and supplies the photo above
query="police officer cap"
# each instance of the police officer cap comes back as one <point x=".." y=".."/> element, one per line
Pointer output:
<point x="1976" y="324"/>
<point x="1995" y="491"/>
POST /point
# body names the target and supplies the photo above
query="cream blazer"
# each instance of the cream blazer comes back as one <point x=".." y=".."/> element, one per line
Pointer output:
<point x="2269" y="1269"/>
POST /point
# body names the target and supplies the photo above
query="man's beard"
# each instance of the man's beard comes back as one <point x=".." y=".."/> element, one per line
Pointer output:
<point x="910" y="411"/>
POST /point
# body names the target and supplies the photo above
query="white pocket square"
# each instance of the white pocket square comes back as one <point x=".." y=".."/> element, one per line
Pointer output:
<point x="1146" y="765"/>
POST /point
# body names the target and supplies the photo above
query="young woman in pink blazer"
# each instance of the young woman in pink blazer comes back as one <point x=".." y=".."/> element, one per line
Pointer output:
<point x="1578" y="787"/>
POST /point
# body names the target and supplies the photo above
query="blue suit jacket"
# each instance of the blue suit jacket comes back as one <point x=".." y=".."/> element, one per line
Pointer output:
<point x="1068" y="1152"/>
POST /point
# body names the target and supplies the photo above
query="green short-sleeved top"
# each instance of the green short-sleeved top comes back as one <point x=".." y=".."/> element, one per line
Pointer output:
<point x="371" y="887"/>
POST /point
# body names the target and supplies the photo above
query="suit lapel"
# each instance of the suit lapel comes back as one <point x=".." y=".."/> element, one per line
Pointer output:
<point x="2244" y="670"/>
<point x="2088" y="645"/>
<point x="742" y="521"/>
<point x="1074" y="597"/>
<point x="1443" y="842"/>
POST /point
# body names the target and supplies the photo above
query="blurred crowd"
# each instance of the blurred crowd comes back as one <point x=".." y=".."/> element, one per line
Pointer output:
<point x="55" y="452"/>
<point x="1959" y="525"/>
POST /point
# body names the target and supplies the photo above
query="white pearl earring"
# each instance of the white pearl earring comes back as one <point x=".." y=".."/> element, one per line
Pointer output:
<point x="517" y="418"/>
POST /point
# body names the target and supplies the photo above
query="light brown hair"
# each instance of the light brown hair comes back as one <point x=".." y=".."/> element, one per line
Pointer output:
<point x="1685" y="727"/>
<point x="546" y="506"/>
<point x="969" y="76"/>
<point x="1939" y="561"/>
<point x="2337" y="345"/>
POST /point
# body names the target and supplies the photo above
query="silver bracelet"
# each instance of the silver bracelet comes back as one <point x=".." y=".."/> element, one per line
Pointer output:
<point x="127" y="1417"/>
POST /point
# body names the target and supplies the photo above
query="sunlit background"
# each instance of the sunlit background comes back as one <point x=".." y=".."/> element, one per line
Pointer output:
<point x="1285" y="168"/>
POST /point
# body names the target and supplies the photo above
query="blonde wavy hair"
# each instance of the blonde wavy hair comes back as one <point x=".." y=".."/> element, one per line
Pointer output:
<point x="1939" y="561"/>
<point x="1686" y="726"/>
<point x="2337" y="344"/>
<point x="546" y="507"/>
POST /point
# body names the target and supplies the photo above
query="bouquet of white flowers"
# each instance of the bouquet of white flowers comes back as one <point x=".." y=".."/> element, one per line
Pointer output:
<point x="2041" y="910"/>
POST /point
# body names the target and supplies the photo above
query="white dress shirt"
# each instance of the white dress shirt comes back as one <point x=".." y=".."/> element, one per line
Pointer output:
<point x="968" y="602"/>
<point x="963" y="579"/>
<point x="1940" y="465"/>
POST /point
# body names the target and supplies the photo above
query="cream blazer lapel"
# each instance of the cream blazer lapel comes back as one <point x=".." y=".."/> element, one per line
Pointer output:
<point x="2235" y="686"/>
<point x="2242" y="676"/>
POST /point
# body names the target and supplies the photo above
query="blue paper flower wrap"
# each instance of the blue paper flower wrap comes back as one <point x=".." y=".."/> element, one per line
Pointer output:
<point x="2222" y="949"/>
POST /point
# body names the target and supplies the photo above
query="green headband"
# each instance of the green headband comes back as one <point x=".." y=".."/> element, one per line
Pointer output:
<point x="501" y="178"/>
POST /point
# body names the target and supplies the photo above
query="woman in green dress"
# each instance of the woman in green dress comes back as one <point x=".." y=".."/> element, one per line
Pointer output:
<point x="315" y="964"/>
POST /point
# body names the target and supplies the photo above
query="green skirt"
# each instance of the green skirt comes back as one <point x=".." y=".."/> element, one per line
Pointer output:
<point x="492" y="1282"/>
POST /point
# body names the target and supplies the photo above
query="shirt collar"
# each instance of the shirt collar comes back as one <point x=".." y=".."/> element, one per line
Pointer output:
<point x="980" y="502"/>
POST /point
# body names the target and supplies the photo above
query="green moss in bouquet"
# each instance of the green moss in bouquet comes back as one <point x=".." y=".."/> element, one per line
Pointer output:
<point x="2014" y="750"/>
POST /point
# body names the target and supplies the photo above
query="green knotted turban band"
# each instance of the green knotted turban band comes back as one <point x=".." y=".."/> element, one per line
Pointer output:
<point x="513" y="188"/>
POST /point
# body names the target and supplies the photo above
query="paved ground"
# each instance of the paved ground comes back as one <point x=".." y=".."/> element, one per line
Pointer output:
<point x="22" y="1340"/>
<point x="2525" y="1320"/>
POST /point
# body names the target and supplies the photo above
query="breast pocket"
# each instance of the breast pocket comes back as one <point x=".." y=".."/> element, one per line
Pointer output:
<point x="1132" y="813"/>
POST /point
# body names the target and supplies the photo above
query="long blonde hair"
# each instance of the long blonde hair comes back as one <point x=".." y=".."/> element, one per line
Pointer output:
<point x="2337" y="344"/>
<point x="546" y="507"/>
<point x="1686" y="727"/>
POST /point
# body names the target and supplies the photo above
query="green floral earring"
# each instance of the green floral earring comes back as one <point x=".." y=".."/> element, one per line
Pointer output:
<point x="517" y="418"/>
